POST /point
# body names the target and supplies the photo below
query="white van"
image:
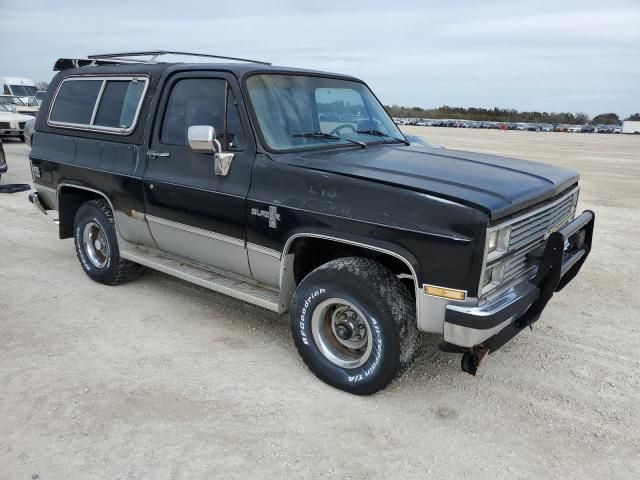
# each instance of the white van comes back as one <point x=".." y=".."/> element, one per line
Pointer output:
<point x="19" y="87"/>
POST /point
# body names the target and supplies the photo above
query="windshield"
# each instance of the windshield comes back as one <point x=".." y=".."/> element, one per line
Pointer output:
<point x="12" y="101"/>
<point x="296" y="112"/>
<point x="23" y="90"/>
<point x="4" y="108"/>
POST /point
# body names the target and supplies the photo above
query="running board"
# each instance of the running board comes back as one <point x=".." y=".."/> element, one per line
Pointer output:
<point x="216" y="280"/>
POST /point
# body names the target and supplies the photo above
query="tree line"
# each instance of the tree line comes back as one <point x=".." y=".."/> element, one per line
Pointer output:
<point x="505" y="115"/>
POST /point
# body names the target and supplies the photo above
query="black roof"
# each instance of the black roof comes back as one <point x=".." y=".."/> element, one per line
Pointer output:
<point x="240" y="70"/>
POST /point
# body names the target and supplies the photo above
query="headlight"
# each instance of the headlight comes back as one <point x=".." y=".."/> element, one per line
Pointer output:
<point x="497" y="247"/>
<point x="497" y="242"/>
<point x="492" y="240"/>
<point x="492" y="276"/>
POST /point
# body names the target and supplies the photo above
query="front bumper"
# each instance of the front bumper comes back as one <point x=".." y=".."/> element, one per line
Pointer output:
<point x="495" y="323"/>
<point x="14" y="132"/>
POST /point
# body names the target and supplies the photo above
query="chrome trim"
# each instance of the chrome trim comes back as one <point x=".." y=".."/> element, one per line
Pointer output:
<point x="104" y="79"/>
<point x="102" y="194"/>
<point x="571" y="261"/>
<point x="195" y="230"/>
<point x="496" y="290"/>
<point x="263" y="250"/>
<point x="34" y="198"/>
<point x="286" y="289"/>
<point x="202" y="139"/>
<point x="95" y="105"/>
<point x="235" y="286"/>
<point x="470" y="337"/>
<point x="509" y="297"/>
<point x="345" y="353"/>
<point x="222" y="162"/>
<point x="536" y="211"/>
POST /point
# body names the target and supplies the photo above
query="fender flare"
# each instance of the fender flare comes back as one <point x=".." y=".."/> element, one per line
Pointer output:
<point x="287" y="282"/>
<point x="88" y="189"/>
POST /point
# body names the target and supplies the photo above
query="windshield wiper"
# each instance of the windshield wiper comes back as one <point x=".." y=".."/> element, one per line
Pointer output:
<point x="328" y="136"/>
<point x="378" y="133"/>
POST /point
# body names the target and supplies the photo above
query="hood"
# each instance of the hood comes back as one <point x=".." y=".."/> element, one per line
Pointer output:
<point x="498" y="185"/>
<point x="14" y="117"/>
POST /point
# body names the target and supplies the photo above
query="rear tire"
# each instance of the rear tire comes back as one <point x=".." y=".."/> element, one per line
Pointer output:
<point x="354" y="324"/>
<point x="97" y="245"/>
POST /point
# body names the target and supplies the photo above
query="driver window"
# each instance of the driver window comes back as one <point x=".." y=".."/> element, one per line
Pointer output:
<point x="201" y="101"/>
<point x="341" y="107"/>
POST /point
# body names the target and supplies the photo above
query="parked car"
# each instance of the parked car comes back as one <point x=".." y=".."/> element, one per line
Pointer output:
<point x="29" y="128"/>
<point x="12" y="123"/>
<point x="3" y="160"/>
<point x="222" y="174"/>
<point x="24" y="105"/>
<point x="574" y="128"/>
<point x="604" y="128"/>
<point x="11" y="102"/>
<point x="19" y="87"/>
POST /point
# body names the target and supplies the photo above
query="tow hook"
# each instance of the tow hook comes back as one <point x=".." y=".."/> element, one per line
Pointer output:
<point x="472" y="359"/>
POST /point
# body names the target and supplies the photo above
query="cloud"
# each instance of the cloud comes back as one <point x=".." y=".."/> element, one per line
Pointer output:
<point x="546" y="55"/>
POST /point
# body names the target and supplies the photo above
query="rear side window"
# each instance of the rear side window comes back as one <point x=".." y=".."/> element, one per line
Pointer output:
<point x="119" y="103"/>
<point x="109" y="104"/>
<point x="75" y="101"/>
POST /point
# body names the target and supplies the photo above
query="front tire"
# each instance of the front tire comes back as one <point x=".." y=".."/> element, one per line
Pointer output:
<point x="354" y="324"/>
<point x="97" y="245"/>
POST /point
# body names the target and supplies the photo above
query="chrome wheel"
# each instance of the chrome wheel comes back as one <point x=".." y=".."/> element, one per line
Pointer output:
<point x="95" y="245"/>
<point x="342" y="333"/>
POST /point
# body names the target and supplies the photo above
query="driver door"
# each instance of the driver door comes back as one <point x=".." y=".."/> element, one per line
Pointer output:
<point x="192" y="212"/>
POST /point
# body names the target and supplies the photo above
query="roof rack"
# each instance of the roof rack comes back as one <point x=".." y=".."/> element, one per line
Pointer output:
<point x="157" y="53"/>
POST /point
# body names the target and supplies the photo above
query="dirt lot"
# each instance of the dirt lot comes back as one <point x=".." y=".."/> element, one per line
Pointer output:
<point x="160" y="379"/>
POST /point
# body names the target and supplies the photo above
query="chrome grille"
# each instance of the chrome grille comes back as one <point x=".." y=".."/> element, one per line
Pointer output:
<point x="529" y="232"/>
<point x="5" y="125"/>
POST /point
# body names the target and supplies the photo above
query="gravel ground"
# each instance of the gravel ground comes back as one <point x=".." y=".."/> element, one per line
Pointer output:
<point x="161" y="379"/>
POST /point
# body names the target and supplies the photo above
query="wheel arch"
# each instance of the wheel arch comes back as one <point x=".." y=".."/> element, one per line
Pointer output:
<point x="70" y="197"/>
<point x="353" y="244"/>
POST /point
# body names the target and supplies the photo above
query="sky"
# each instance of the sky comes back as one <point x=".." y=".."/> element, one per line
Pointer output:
<point x="562" y="55"/>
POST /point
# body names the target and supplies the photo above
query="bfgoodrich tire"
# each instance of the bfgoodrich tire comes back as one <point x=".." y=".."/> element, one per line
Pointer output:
<point x="354" y="325"/>
<point x="97" y="245"/>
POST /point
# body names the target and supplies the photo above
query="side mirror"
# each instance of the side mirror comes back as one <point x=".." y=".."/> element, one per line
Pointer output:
<point x="202" y="139"/>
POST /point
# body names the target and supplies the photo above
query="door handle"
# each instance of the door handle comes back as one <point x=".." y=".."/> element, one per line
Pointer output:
<point x="152" y="154"/>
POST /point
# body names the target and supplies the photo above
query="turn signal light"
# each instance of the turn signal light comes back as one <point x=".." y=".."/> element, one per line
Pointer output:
<point x="449" y="293"/>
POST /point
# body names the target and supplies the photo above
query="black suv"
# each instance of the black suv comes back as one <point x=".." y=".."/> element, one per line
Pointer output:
<point x="295" y="191"/>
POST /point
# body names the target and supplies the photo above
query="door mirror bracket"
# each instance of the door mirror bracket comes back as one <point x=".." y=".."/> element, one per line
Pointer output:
<point x="202" y="139"/>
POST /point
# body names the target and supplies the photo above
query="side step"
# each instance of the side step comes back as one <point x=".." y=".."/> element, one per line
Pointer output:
<point x="216" y="280"/>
